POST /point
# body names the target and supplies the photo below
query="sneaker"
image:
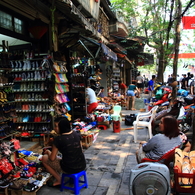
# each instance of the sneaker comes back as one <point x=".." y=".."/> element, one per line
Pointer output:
<point x="17" y="184"/>
<point x="4" y="183"/>
<point x="16" y="175"/>
<point x="33" y="66"/>
<point x="23" y="161"/>
<point x="28" y="66"/>
<point x="20" y="65"/>
<point x="30" y="187"/>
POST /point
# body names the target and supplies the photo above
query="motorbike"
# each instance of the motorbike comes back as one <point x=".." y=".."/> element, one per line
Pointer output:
<point x="162" y="95"/>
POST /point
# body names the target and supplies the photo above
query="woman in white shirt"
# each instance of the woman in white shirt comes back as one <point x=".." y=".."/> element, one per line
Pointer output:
<point x="91" y="100"/>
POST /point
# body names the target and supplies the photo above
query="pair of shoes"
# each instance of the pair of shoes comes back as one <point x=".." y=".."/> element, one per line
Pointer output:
<point x="18" y="184"/>
<point x="30" y="187"/>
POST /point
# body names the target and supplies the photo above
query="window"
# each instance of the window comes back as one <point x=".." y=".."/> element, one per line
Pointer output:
<point x="9" y="22"/>
<point x="6" y="20"/>
<point x="18" y="25"/>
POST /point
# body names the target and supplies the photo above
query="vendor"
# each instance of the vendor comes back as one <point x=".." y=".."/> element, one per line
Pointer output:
<point x="68" y="143"/>
<point x="91" y="99"/>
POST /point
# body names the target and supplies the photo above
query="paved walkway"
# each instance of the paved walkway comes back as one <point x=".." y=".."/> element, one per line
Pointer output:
<point x="109" y="161"/>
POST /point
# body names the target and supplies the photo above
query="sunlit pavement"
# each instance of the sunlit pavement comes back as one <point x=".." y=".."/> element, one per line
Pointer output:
<point x="109" y="161"/>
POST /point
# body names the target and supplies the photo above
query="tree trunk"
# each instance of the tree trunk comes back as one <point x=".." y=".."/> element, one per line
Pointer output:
<point x="177" y="42"/>
<point x="160" y="76"/>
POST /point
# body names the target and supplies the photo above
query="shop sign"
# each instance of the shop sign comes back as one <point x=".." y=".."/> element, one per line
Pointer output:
<point x="188" y="22"/>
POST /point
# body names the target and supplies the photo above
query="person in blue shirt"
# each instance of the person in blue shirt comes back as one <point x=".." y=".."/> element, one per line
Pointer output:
<point x="151" y="85"/>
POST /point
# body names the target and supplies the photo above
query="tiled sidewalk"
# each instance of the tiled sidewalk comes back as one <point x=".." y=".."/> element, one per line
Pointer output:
<point x="109" y="161"/>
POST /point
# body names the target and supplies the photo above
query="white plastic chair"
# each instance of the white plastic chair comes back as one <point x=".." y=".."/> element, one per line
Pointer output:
<point x="181" y="112"/>
<point x="116" y="113"/>
<point x="140" y="123"/>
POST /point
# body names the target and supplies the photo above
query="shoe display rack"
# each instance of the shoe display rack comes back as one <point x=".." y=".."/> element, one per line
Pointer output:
<point x="7" y="103"/>
<point x="31" y="96"/>
<point x="61" y="99"/>
<point x="115" y="79"/>
<point x="78" y="94"/>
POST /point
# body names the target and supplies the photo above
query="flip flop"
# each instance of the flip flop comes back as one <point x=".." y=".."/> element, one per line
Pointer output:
<point x="179" y="155"/>
<point x="50" y="184"/>
<point x="192" y="154"/>
<point x="179" y="167"/>
<point x="185" y="169"/>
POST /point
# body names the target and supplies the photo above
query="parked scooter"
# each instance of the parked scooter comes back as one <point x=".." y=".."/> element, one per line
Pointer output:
<point x="165" y="97"/>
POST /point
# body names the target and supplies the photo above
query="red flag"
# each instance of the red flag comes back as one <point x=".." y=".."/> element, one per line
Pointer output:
<point x="188" y="22"/>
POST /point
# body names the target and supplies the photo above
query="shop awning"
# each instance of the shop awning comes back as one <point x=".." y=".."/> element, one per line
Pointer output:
<point x="108" y="52"/>
<point x="117" y="48"/>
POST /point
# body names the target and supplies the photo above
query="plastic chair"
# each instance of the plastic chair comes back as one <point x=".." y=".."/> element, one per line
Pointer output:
<point x="116" y="115"/>
<point x="140" y="123"/>
<point x="181" y="112"/>
<point x="165" y="159"/>
<point x="74" y="179"/>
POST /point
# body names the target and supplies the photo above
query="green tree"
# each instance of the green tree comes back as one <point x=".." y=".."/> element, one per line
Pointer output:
<point x="159" y="22"/>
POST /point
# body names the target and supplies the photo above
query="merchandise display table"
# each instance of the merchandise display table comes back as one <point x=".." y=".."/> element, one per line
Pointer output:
<point x="89" y="137"/>
<point x="22" y="192"/>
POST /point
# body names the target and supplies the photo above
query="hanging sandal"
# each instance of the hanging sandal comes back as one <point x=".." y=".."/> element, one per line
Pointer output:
<point x="186" y="169"/>
<point x="2" y="99"/>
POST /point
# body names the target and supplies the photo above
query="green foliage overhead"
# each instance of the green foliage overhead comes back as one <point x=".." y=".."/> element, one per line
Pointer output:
<point x="157" y="21"/>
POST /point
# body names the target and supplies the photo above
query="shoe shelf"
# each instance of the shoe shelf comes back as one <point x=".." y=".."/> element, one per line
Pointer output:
<point x="38" y="69"/>
<point x="4" y="86"/>
<point x="78" y="95"/>
<point x="4" y="135"/>
<point x="31" y="100"/>
<point x="32" y="122"/>
<point x="61" y="86"/>
<point x="31" y="94"/>
<point x="8" y="102"/>
<point x="5" y="69"/>
<point x="28" y="90"/>
<point x="19" y="81"/>
<point x="42" y="111"/>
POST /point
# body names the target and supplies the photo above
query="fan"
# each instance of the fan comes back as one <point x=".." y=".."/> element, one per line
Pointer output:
<point x="149" y="179"/>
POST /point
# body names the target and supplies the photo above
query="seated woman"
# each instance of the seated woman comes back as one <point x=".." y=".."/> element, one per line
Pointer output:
<point x="160" y="144"/>
<point x="69" y="145"/>
<point x="174" y="111"/>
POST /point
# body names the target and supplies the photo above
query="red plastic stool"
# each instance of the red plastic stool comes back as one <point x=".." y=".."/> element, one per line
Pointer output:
<point x="116" y="127"/>
<point x="104" y="127"/>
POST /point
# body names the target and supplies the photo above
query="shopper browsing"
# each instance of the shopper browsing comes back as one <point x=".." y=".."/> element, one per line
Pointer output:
<point x="140" y="82"/>
<point x="131" y="90"/>
<point x="69" y="145"/>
